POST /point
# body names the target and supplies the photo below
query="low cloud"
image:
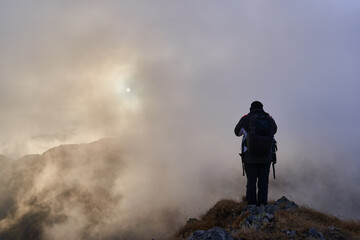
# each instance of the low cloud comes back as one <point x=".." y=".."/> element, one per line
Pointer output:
<point x="193" y="70"/>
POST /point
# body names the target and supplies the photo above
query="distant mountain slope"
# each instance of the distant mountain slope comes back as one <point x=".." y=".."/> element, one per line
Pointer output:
<point x="280" y="220"/>
<point x="66" y="191"/>
<point x="82" y="192"/>
<point x="5" y="191"/>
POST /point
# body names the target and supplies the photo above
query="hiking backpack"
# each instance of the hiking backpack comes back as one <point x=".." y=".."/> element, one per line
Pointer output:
<point x="261" y="134"/>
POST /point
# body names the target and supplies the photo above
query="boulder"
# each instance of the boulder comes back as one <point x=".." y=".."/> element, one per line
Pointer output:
<point x="256" y="216"/>
<point x="285" y="204"/>
<point x="216" y="233"/>
<point x="290" y="233"/>
<point x="316" y="234"/>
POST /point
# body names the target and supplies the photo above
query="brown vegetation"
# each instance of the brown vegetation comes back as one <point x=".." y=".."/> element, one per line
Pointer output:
<point x="227" y="214"/>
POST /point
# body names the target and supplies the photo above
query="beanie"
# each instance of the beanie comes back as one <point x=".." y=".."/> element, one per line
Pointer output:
<point x="255" y="105"/>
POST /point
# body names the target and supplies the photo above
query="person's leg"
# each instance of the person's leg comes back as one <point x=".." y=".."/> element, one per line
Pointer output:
<point x="264" y="170"/>
<point x="251" y="175"/>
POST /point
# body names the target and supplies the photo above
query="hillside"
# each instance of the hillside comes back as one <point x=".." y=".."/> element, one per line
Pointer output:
<point x="64" y="193"/>
<point x="282" y="219"/>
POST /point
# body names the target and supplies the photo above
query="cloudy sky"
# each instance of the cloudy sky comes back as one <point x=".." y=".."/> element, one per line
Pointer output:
<point x="174" y="78"/>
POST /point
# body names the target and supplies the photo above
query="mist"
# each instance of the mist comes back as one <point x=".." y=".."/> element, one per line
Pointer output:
<point x="167" y="83"/>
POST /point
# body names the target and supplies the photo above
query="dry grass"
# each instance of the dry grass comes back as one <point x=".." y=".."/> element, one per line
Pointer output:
<point x="222" y="214"/>
<point x="226" y="214"/>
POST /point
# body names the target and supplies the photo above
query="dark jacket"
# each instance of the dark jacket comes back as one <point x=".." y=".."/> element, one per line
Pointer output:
<point x="242" y="128"/>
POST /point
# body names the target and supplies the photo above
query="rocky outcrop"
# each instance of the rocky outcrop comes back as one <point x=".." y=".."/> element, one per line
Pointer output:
<point x="284" y="203"/>
<point x="316" y="234"/>
<point x="255" y="216"/>
<point x="290" y="233"/>
<point x="282" y="219"/>
<point x="215" y="233"/>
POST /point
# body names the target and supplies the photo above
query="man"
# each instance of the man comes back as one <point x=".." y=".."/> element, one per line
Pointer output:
<point x="258" y="129"/>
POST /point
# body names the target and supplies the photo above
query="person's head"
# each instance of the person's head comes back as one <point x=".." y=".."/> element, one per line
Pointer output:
<point x="256" y="105"/>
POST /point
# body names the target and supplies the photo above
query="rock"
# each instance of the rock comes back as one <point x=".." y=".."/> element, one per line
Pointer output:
<point x="332" y="228"/>
<point x="316" y="234"/>
<point x="285" y="204"/>
<point x="252" y="217"/>
<point x="271" y="208"/>
<point x="215" y="233"/>
<point x="290" y="233"/>
<point x="256" y="216"/>
<point x="270" y="216"/>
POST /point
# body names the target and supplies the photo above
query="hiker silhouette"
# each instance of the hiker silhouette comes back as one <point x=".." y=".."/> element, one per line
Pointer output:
<point x="257" y="151"/>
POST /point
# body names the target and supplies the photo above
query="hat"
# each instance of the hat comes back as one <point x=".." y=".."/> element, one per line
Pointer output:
<point x="255" y="105"/>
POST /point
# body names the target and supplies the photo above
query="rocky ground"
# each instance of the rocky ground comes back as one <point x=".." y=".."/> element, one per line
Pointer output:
<point x="283" y="219"/>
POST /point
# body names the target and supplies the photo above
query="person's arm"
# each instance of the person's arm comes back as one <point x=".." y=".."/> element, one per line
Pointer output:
<point x="275" y="126"/>
<point x="239" y="129"/>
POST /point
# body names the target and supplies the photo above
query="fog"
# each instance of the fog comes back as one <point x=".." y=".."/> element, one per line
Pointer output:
<point x="167" y="82"/>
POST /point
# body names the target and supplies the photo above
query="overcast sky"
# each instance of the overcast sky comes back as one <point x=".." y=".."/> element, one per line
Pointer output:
<point x="177" y="76"/>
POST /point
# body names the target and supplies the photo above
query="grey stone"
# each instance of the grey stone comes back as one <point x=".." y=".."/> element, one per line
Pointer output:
<point x="290" y="233"/>
<point x="286" y="204"/>
<point x="271" y="208"/>
<point x="332" y="228"/>
<point x="257" y="216"/>
<point x="316" y="234"/>
<point x="270" y="216"/>
<point x="215" y="233"/>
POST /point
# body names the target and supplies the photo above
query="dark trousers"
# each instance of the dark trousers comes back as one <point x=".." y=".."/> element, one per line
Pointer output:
<point x="257" y="173"/>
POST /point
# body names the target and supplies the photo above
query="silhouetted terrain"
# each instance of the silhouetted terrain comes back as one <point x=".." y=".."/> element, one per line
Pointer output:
<point x="74" y="192"/>
<point x="282" y="219"/>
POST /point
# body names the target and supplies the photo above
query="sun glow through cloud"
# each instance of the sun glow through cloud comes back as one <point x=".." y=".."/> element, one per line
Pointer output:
<point x="123" y="84"/>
